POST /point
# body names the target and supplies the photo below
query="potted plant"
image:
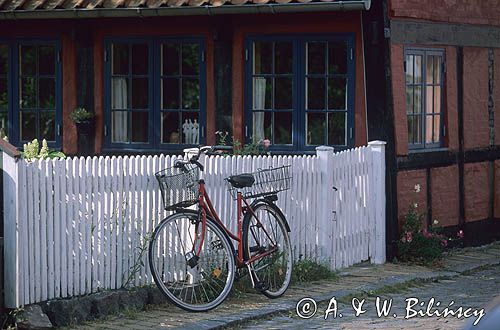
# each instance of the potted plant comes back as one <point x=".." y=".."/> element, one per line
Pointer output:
<point x="84" y="121"/>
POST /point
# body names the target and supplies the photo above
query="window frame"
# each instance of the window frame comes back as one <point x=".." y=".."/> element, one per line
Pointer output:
<point x="13" y="76"/>
<point x="299" y="96"/>
<point x="424" y="52"/>
<point x="154" y="108"/>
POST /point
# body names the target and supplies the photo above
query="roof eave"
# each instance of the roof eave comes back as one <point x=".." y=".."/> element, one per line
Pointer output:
<point x="269" y="8"/>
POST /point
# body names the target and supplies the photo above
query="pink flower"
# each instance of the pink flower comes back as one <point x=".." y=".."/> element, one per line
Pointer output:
<point x="426" y="233"/>
<point x="460" y="234"/>
<point x="266" y="143"/>
<point x="403" y="239"/>
<point x="409" y="236"/>
<point x="444" y="243"/>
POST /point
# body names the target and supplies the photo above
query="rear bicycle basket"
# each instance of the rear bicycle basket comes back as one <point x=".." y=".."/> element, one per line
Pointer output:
<point x="178" y="186"/>
<point x="267" y="182"/>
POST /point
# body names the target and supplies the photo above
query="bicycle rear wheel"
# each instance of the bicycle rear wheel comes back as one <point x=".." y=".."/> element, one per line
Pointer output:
<point x="188" y="282"/>
<point x="273" y="271"/>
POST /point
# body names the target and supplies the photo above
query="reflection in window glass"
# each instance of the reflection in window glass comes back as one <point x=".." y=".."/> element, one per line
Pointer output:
<point x="4" y="97"/>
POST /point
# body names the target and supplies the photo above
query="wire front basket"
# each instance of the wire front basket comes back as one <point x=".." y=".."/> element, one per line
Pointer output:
<point x="178" y="186"/>
<point x="267" y="182"/>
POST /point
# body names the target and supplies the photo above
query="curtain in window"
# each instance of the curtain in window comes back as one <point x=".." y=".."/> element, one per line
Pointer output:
<point x="259" y="103"/>
<point x="119" y="120"/>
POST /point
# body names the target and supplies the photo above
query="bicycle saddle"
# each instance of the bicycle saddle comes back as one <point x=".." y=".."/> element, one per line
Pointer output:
<point x="244" y="180"/>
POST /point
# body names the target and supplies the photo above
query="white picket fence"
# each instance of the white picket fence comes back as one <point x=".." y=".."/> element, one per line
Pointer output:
<point x="79" y="225"/>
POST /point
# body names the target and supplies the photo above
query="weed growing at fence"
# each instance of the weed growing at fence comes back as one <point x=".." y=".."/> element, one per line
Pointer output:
<point x="254" y="148"/>
<point x="307" y="270"/>
<point x="138" y="264"/>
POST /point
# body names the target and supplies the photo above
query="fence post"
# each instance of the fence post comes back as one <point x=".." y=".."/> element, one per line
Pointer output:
<point x="326" y="204"/>
<point x="378" y="197"/>
<point x="11" y="204"/>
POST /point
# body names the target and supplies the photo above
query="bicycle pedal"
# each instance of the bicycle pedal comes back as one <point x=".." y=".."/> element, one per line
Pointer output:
<point x="259" y="249"/>
<point x="260" y="286"/>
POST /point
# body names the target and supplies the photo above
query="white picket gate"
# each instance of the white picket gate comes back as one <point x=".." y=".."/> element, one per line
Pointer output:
<point x="79" y="225"/>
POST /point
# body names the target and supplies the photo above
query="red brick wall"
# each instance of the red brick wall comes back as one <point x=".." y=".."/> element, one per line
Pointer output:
<point x="496" y="97"/>
<point x="476" y="191"/>
<point x="455" y="11"/>
<point x="450" y="103"/>
<point x="445" y="195"/>
<point x="497" y="189"/>
<point x="476" y="131"/>
<point x="406" y="182"/>
<point x="399" y="102"/>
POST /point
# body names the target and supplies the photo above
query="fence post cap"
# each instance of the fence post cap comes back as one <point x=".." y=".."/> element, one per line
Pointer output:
<point x="324" y="148"/>
<point x="377" y="143"/>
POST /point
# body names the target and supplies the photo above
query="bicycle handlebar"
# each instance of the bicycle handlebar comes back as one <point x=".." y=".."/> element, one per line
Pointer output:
<point x="208" y="150"/>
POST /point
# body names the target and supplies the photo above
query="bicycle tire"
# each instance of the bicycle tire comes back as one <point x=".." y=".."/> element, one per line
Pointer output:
<point x="275" y="270"/>
<point x="203" y="286"/>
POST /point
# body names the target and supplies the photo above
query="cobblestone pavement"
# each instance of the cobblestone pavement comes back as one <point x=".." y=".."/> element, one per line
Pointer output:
<point x="475" y="290"/>
<point x="239" y="309"/>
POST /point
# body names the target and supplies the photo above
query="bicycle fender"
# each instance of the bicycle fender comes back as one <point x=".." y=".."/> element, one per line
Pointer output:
<point x="274" y="207"/>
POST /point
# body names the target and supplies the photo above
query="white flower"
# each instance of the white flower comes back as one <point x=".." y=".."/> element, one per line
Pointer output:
<point x="415" y="205"/>
<point x="435" y="222"/>
<point x="417" y="188"/>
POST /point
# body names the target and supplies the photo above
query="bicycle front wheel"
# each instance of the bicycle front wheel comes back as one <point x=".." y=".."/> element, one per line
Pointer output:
<point x="263" y="231"/>
<point x="191" y="283"/>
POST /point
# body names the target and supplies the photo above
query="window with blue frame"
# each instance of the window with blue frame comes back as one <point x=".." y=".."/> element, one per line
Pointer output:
<point x="300" y="91"/>
<point x="424" y="70"/>
<point x="155" y="93"/>
<point x="30" y="91"/>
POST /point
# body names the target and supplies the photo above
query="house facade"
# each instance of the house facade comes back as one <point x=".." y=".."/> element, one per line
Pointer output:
<point x="444" y="64"/>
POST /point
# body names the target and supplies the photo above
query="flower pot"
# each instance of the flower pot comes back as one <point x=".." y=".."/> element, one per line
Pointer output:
<point x="85" y="130"/>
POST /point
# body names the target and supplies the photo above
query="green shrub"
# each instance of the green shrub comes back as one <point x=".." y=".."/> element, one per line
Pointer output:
<point x="32" y="151"/>
<point x="307" y="270"/>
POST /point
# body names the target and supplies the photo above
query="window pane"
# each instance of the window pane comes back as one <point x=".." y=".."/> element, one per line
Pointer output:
<point x="418" y="100"/>
<point x="28" y="60"/>
<point x="262" y="124"/>
<point x="120" y="59"/>
<point x="262" y="93"/>
<point x="48" y="125"/>
<point x="263" y="57"/>
<point x="140" y="93"/>
<point x="429" y="70"/>
<point x="140" y="126"/>
<point x="316" y="128"/>
<point x="337" y="128"/>
<point x="418" y="69"/>
<point x="411" y="130"/>
<point x="4" y="118"/>
<point x="437" y="99"/>
<point x="119" y="93"/>
<point x="4" y="58"/>
<point x="437" y="69"/>
<point x="429" y="120"/>
<point x="283" y="93"/>
<point x="28" y="93"/>
<point x="119" y="126"/>
<point x="316" y="57"/>
<point x="417" y="129"/>
<point x="3" y="94"/>
<point x="337" y="93"/>
<point x="283" y="57"/>
<point x="190" y="128"/>
<point x="47" y="93"/>
<point x="27" y="125"/>
<point x="170" y="127"/>
<point x="315" y="93"/>
<point x="437" y="128"/>
<point x="283" y="128"/>
<point x="170" y="93"/>
<point x="47" y="60"/>
<point x="170" y="58"/>
<point x="139" y="59"/>
<point x="337" y="57"/>
<point x="190" y="94"/>
<point x="409" y="99"/>
<point x="190" y="59"/>
<point x="409" y="68"/>
<point x="429" y="99"/>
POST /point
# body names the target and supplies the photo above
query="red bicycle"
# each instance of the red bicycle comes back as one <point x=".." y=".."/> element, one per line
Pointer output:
<point x="191" y="253"/>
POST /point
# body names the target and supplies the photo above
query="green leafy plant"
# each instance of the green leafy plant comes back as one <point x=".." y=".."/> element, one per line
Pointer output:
<point x="420" y="243"/>
<point x="255" y="148"/>
<point x="32" y="151"/>
<point x="80" y="115"/>
<point x="307" y="270"/>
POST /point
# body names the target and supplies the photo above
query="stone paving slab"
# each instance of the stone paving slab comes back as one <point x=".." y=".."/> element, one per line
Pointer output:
<point x="248" y="306"/>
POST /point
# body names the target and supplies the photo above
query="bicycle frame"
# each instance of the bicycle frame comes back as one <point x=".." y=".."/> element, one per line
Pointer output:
<point x="206" y="207"/>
